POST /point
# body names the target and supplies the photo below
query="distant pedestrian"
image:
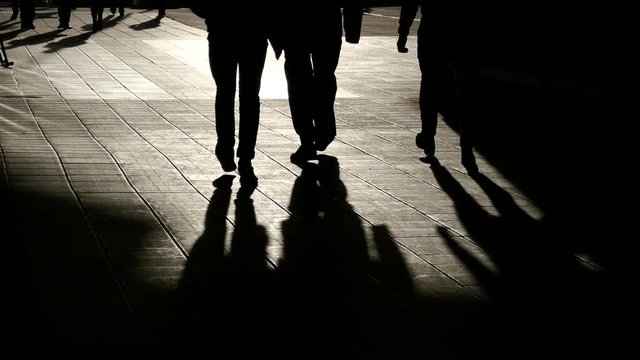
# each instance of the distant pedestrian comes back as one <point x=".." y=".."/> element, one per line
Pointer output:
<point x="27" y="14"/>
<point x="64" y="13"/>
<point x="97" y="10"/>
<point x="117" y="5"/>
<point x="237" y="53"/>
<point x="310" y="34"/>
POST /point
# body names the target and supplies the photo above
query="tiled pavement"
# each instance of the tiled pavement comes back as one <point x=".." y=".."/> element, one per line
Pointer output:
<point x="118" y="245"/>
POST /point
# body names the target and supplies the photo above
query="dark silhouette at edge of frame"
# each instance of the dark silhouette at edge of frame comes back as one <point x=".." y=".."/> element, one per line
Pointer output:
<point x="543" y="291"/>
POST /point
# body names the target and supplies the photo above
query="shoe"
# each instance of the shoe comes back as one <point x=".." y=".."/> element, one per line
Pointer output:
<point x="13" y="16"/>
<point x="64" y="26"/>
<point x="27" y="27"/>
<point x="323" y="142"/>
<point x="113" y="10"/>
<point x="226" y="159"/>
<point x="426" y="143"/>
<point x="248" y="178"/>
<point x="303" y="155"/>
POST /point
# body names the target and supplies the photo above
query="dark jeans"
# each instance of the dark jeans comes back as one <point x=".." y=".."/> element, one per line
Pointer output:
<point x="436" y="78"/>
<point x="97" y="10"/>
<point x="312" y="87"/>
<point x="229" y="58"/>
<point x="117" y="5"/>
<point x="27" y="12"/>
<point x="64" y="11"/>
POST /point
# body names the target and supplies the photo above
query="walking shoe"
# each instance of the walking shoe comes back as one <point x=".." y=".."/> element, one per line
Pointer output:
<point x="426" y="143"/>
<point x="248" y="178"/>
<point x="323" y="141"/>
<point x="303" y="155"/>
<point x="226" y="159"/>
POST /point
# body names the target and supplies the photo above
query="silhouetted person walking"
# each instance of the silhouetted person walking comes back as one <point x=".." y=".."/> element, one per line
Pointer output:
<point x="117" y="5"/>
<point x="97" y="10"/>
<point x="434" y="50"/>
<point x="27" y="14"/>
<point x="64" y="13"/>
<point x="310" y="33"/>
<point x="237" y="48"/>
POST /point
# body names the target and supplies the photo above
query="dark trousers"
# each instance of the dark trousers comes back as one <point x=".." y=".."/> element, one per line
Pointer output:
<point x="97" y="11"/>
<point x="117" y="5"/>
<point x="229" y="58"/>
<point x="27" y="12"/>
<point x="312" y="87"/>
<point x="436" y="78"/>
<point x="64" y="11"/>
<point x="432" y="68"/>
<point x="162" y="7"/>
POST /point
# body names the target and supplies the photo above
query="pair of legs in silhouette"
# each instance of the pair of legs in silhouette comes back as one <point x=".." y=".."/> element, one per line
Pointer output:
<point x="97" y="10"/>
<point x="243" y="58"/>
<point x="117" y="5"/>
<point x="434" y="50"/>
<point x="27" y="14"/>
<point x="434" y="70"/>
<point x="64" y="13"/>
<point x="311" y="38"/>
<point x="312" y="86"/>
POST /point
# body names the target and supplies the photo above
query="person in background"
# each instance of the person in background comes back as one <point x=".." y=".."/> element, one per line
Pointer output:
<point x="97" y="10"/>
<point x="64" y="13"/>
<point x="117" y="5"/>
<point x="27" y="14"/>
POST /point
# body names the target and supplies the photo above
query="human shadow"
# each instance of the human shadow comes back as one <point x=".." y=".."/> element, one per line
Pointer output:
<point x="224" y="296"/>
<point x="8" y="23"/>
<point x="68" y="42"/>
<point x="148" y="24"/>
<point x="33" y="39"/>
<point x="541" y="287"/>
<point x="337" y="295"/>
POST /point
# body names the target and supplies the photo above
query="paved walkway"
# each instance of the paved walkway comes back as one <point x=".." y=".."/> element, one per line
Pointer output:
<point x="118" y="243"/>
